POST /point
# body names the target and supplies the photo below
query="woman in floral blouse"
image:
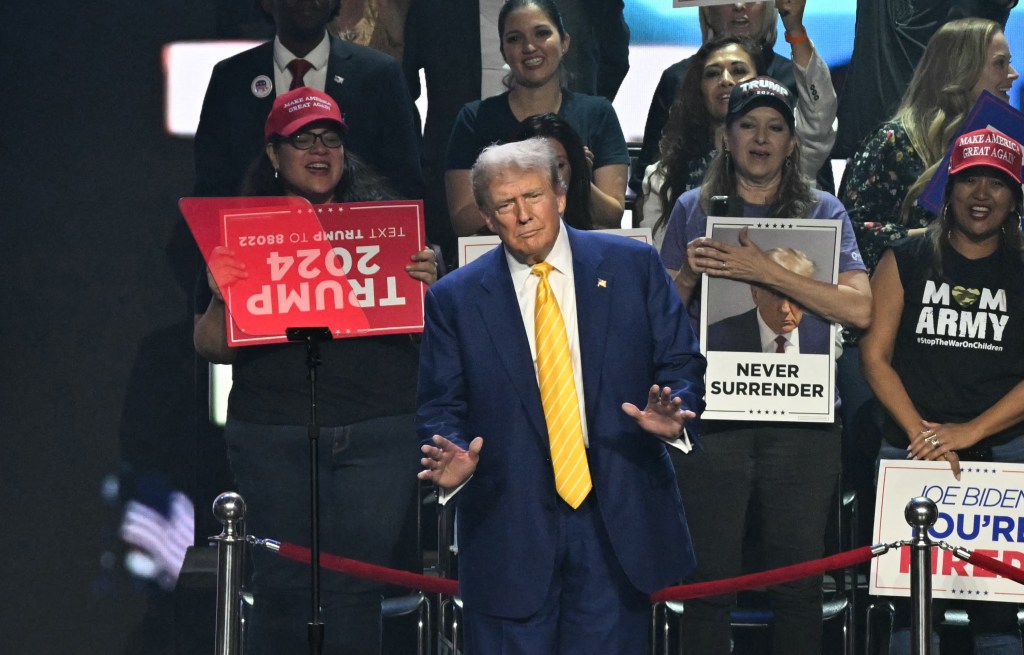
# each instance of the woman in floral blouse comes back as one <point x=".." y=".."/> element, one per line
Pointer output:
<point x="894" y="165"/>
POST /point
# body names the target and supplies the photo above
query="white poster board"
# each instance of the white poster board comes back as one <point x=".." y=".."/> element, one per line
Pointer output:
<point x="983" y="511"/>
<point x="743" y="383"/>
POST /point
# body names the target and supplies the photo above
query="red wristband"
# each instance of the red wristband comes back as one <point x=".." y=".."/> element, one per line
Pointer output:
<point x="793" y="40"/>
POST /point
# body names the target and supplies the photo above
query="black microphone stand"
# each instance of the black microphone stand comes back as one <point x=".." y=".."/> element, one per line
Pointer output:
<point x="312" y="337"/>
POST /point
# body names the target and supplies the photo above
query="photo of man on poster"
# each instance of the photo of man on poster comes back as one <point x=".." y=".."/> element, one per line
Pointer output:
<point x="769" y="357"/>
<point x="775" y="324"/>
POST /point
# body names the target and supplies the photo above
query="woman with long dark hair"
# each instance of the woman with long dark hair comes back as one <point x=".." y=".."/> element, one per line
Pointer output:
<point x="574" y="164"/>
<point x="533" y="44"/>
<point x="785" y="472"/>
<point x="693" y="132"/>
<point x="366" y="400"/>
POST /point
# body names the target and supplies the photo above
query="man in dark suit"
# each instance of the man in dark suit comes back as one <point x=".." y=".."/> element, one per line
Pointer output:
<point x="538" y="572"/>
<point x="368" y="86"/>
<point x="741" y="333"/>
<point x="777" y="324"/>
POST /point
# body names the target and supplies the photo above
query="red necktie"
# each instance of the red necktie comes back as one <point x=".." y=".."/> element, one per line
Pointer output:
<point x="299" y="68"/>
<point x="780" y="344"/>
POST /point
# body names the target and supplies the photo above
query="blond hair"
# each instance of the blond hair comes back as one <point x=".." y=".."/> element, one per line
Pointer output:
<point x="941" y="94"/>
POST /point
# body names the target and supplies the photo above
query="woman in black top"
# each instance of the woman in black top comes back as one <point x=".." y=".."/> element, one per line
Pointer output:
<point x="366" y="399"/>
<point x="945" y="351"/>
<point x="534" y="42"/>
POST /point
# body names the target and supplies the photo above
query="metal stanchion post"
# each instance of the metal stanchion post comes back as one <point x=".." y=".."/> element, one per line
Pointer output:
<point x="229" y="508"/>
<point x="921" y="514"/>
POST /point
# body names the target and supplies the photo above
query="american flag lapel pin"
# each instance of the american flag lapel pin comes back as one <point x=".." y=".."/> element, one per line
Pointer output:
<point x="602" y="284"/>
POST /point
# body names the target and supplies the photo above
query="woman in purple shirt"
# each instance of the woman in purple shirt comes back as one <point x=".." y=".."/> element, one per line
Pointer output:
<point x="785" y="472"/>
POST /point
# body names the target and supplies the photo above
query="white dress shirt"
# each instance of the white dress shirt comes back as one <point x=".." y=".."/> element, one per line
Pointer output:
<point x="768" y="336"/>
<point x="317" y="75"/>
<point x="562" y="281"/>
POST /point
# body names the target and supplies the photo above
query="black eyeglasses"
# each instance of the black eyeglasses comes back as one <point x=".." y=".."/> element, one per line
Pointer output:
<point x="306" y="140"/>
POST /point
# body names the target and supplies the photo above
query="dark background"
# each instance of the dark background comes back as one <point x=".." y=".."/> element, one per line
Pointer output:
<point x="96" y="319"/>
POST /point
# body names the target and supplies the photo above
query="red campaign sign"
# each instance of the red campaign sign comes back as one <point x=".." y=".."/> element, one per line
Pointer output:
<point x="340" y="266"/>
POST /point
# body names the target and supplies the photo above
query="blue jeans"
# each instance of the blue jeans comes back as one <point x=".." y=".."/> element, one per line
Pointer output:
<point x="994" y="626"/>
<point x="368" y="488"/>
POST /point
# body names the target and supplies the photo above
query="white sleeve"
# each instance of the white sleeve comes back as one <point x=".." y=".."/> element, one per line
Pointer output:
<point x="815" y="114"/>
<point x="682" y="443"/>
<point x="444" y="495"/>
<point x="650" y="190"/>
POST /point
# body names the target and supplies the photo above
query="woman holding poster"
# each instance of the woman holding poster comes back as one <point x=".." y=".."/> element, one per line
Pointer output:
<point x="366" y="399"/>
<point x="786" y="472"/>
<point x="693" y="130"/>
<point x="534" y="43"/>
<point x="945" y="352"/>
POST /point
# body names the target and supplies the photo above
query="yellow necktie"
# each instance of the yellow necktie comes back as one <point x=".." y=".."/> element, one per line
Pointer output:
<point x="558" y="395"/>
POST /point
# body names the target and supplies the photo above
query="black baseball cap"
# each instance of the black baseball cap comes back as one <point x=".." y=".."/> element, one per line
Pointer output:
<point x="760" y="92"/>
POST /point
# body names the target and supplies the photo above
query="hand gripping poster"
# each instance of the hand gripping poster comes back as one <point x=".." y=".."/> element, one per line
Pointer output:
<point x="769" y="358"/>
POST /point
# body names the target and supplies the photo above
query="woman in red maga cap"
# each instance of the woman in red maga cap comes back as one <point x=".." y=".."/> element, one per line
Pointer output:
<point x="366" y="399"/>
<point x="951" y="393"/>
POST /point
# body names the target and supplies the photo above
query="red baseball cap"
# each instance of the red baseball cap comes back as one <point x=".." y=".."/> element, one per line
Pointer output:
<point x="986" y="148"/>
<point x="296" y="109"/>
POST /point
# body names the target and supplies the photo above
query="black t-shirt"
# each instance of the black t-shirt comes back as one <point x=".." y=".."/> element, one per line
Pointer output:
<point x="359" y="379"/>
<point x="489" y="121"/>
<point x="960" y="342"/>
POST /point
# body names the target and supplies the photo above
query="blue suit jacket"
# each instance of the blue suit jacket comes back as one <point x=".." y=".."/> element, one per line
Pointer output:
<point x="373" y="97"/>
<point x="477" y="378"/>
<point x="740" y="333"/>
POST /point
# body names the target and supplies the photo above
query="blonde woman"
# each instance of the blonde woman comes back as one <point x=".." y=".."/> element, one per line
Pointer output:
<point x="885" y="179"/>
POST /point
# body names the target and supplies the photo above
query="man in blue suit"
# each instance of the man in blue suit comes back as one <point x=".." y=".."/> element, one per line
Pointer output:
<point x="777" y="324"/>
<point x="537" y="575"/>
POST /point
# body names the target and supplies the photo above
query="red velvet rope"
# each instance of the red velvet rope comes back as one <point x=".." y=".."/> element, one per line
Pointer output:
<point x="374" y="572"/>
<point x="765" y="578"/>
<point x="682" y="592"/>
<point x="997" y="567"/>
